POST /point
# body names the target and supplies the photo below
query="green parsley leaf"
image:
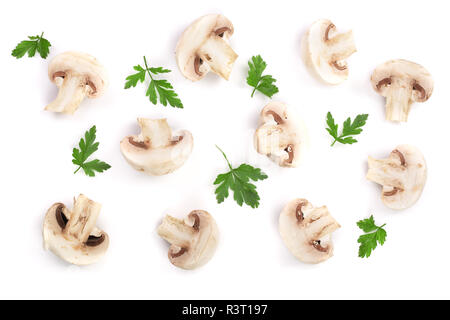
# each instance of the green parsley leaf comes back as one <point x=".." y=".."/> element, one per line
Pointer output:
<point x="374" y="235"/>
<point x="156" y="87"/>
<point x="350" y="128"/>
<point x="238" y="180"/>
<point x="255" y="79"/>
<point x="36" y="43"/>
<point x="87" y="147"/>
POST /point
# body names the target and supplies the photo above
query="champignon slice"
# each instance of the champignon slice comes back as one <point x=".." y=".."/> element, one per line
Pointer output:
<point x="77" y="75"/>
<point x="204" y="46"/>
<point x="193" y="242"/>
<point x="306" y="231"/>
<point x="402" y="175"/>
<point x="73" y="235"/>
<point x="325" y="52"/>
<point x="401" y="82"/>
<point x="156" y="151"/>
<point x="279" y="136"/>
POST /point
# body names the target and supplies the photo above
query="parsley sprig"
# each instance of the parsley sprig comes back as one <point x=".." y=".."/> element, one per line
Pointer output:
<point x="35" y="43"/>
<point x="238" y="180"/>
<point x="374" y="235"/>
<point x="255" y="79"/>
<point x="87" y="147"/>
<point x="350" y="128"/>
<point x="156" y="87"/>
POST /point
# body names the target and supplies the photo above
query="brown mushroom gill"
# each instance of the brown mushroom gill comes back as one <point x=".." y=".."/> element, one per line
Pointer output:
<point x="299" y="213"/>
<point x="91" y="85"/>
<point x="391" y="193"/>
<point x="139" y="144"/>
<point x="327" y="31"/>
<point x="316" y="244"/>
<point x="220" y="32"/>
<point x="275" y="116"/>
<point x="290" y="151"/>
<point x="337" y="66"/>
<point x="196" y="225"/>
<point x="94" y="241"/>
<point x="197" y="63"/>
<point x="59" y="74"/>
<point x="60" y="216"/>
<point x="384" y="82"/>
<point x="401" y="156"/>
<point x="418" y="87"/>
<point x="179" y="253"/>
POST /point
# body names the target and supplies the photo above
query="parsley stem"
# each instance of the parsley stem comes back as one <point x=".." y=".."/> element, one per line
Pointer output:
<point x="225" y="156"/>
<point x="254" y="90"/>
<point x="333" y="143"/>
<point x="147" y="68"/>
<point x="77" y="169"/>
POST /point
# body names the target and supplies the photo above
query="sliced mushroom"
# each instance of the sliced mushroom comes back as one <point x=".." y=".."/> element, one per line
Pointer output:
<point x="325" y="52"/>
<point x="279" y="136"/>
<point x="77" y="75"/>
<point x="401" y="82"/>
<point x="402" y="175"/>
<point x="204" y="46"/>
<point x="306" y="231"/>
<point x="156" y="151"/>
<point x="73" y="235"/>
<point x="193" y="242"/>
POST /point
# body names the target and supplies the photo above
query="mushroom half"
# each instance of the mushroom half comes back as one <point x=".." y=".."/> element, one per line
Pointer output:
<point x="401" y="82"/>
<point x="73" y="235"/>
<point x="402" y="175"/>
<point x="306" y="231"/>
<point x="77" y="75"/>
<point x="325" y="52"/>
<point x="204" y="46"/>
<point x="193" y="242"/>
<point x="156" y="151"/>
<point x="280" y="136"/>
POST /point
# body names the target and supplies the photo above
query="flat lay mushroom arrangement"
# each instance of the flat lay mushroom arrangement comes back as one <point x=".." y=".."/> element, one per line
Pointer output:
<point x="204" y="47"/>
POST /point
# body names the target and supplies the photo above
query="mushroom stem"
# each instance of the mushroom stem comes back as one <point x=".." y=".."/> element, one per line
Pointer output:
<point x="217" y="53"/>
<point x="379" y="172"/>
<point x="321" y="223"/>
<point x="176" y="232"/>
<point x="398" y="103"/>
<point x="83" y="219"/>
<point x="72" y="90"/>
<point x="342" y="46"/>
<point x="156" y="131"/>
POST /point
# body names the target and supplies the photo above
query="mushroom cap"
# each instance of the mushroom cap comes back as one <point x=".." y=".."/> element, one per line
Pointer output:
<point x="280" y="136"/>
<point x="306" y="231"/>
<point x="403" y="73"/>
<point x="69" y="248"/>
<point x="194" y="37"/>
<point x="80" y="64"/>
<point x="324" y="51"/>
<point x="403" y="176"/>
<point x="199" y="246"/>
<point x="144" y="156"/>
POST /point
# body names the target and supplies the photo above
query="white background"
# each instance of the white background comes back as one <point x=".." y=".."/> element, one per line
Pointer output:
<point x="251" y="260"/>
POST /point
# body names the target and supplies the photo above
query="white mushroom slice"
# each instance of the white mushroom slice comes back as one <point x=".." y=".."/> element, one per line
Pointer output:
<point x="73" y="235"/>
<point x="306" y="231"/>
<point x="204" y="47"/>
<point x="77" y="75"/>
<point x="279" y="136"/>
<point x="401" y="82"/>
<point x="156" y="151"/>
<point x="402" y="175"/>
<point x="325" y="52"/>
<point x="193" y="242"/>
